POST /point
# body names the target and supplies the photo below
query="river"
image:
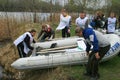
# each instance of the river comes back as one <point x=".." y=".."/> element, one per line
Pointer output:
<point x="25" y="16"/>
<point x="29" y="16"/>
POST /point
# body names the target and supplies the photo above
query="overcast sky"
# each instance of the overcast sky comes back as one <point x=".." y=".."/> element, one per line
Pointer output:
<point x="63" y="2"/>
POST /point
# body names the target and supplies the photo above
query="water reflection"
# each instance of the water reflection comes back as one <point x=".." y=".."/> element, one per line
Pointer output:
<point x="25" y="16"/>
<point x="29" y="16"/>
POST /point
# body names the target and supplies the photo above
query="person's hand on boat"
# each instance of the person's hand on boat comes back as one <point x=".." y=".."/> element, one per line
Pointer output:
<point x="38" y="48"/>
<point x="57" y="30"/>
<point x="87" y="54"/>
<point x="49" y="39"/>
<point x="97" y="55"/>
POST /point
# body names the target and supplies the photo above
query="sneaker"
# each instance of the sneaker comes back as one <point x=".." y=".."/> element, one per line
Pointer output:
<point x="93" y="78"/>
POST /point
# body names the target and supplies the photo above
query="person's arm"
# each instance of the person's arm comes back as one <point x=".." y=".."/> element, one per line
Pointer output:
<point x="27" y="42"/>
<point x="40" y="33"/>
<point x="95" y="47"/>
<point x="119" y="19"/>
<point x="70" y="22"/>
<point x="34" y="41"/>
<point x="86" y="24"/>
<point x="116" y="24"/>
<point x="88" y="46"/>
<point x="106" y="24"/>
<point x="94" y="42"/>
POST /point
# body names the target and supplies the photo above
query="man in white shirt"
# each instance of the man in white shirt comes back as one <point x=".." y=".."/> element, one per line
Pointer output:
<point x="24" y="41"/>
<point x="111" y="23"/>
<point x="65" y="23"/>
<point x="82" y="20"/>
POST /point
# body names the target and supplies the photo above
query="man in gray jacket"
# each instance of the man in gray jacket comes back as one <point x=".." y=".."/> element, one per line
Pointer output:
<point x="100" y="45"/>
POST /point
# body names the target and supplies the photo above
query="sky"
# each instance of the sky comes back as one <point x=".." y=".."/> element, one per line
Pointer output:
<point x="63" y="2"/>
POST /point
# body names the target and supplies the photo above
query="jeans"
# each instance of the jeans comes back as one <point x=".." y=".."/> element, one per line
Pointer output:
<point x="20" y="48"/>
<point x="92" y="65"/>
<point x="65" y="32"/>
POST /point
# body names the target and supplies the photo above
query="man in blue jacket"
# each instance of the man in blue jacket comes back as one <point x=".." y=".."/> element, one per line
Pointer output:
<point x="100" y="45"/>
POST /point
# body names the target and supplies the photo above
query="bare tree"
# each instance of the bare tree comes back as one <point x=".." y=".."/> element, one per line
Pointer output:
<point x="95" y="4"/>
<point x="82" y="3"/>
<point x="50" y="10"/>
<point x="107" y="7"/>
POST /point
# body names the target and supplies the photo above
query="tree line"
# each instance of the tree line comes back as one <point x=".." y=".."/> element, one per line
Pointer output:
<point x="28" y="5"/>
<point x="71" y="6"/>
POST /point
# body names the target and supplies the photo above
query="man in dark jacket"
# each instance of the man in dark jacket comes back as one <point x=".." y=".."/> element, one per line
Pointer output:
<point x="100" y="47"/>
<point x="46" y="32"/>
<point x="24" y="42"/>
<point x="98" y="21"/>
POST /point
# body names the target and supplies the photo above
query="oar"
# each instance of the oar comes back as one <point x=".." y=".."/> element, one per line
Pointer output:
<point x="57" y="51"/>
<point x="59" y="48"/>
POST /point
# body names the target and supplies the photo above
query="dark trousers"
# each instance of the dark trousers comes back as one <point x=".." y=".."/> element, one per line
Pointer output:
<point x="21" y="52"/>
<point x="92" y="65"/>
<point x="45" y="35"/>
<point x="65" y="32"/>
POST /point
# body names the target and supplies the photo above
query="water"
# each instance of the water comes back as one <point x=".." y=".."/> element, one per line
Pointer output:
<point x="29" y="16"/>
<point x="25" y="16"/>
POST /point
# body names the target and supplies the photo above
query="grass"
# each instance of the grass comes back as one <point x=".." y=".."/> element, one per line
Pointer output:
<point x="108" y="70"/>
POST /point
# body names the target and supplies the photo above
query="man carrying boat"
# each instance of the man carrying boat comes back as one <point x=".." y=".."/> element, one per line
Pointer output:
<point x="100" y="47"/>
<point x="24" y="42"/>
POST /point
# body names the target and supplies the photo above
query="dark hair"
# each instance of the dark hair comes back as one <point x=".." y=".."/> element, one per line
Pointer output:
<point x="44" y="25"/>
<point x="83" y="12"/>
<point x="32" y="30"/>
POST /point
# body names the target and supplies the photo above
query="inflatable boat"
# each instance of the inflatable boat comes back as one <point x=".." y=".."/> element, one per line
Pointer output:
<point x="54" y="57"/>
<point x="58" y="42"/>
<point x="117" y="31"/>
